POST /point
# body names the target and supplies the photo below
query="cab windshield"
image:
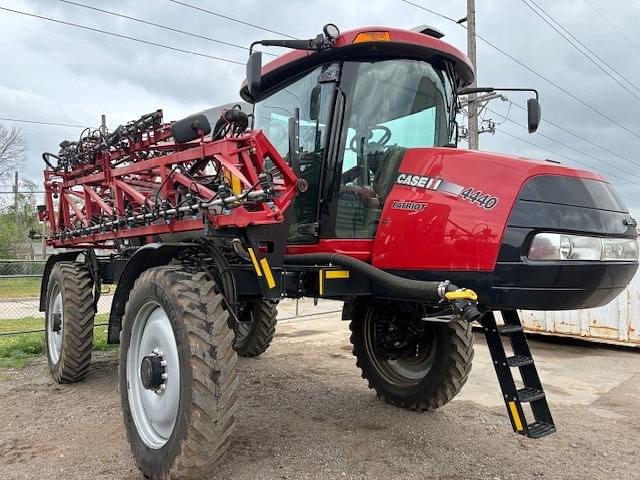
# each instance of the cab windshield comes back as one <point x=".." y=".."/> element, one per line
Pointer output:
<point x="396" y="104"/>
<point x="401" y="103"/>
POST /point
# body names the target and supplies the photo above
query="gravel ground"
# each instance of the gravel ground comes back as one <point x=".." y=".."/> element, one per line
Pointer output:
<point x="305" y="413"/>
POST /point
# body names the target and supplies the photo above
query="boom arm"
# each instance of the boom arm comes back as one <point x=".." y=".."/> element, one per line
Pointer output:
<point x="138" y="181"/>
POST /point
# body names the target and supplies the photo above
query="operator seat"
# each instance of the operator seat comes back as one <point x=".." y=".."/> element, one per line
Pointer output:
<point x="358" y="213"/>
<point x="386" y="171"/>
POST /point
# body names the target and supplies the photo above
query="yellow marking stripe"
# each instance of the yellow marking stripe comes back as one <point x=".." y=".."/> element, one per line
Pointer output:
<point x="334" y="274"/>
<point x="515" y="415"/>
<point x="234" y="182"/>
<point x="271" y="283"/>
<point x="321" y="282"/>
<point x="254" y="260"/>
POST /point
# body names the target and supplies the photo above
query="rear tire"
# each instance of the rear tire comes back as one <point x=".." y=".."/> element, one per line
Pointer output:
<point x="256" y="328"/>
<point x="69" y="322"/>
<point x="433" y="369"/>
<point x="179" y="424"/>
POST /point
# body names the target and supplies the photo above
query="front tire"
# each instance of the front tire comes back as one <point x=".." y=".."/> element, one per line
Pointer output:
<point x="69" y="322"/>
<point x="408" y="362"/>
<point x="178" y="375"/>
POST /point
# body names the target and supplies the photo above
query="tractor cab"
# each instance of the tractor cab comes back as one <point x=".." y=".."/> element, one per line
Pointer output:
<point x="355" y="106"/>
<point x="367" y="120"/>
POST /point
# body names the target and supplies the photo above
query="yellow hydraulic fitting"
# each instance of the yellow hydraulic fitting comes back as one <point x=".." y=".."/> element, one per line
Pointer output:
<point x="462" y="294"/>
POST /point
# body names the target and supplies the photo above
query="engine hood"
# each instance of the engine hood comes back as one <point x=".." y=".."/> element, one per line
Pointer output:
<point x="450" y="208"/>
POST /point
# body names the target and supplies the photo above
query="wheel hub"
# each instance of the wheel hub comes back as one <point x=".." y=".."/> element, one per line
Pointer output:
<point x="153" y="371"/>
<point x="400" y="348"/>
<point x="153" y="375"/>
<point x="56" y="318"/>
<point x="394" y="340"/>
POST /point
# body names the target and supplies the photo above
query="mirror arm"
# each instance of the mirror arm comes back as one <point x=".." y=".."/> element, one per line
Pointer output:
<point x="470" y="90"/>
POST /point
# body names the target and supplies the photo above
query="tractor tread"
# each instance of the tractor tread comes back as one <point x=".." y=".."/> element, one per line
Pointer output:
<point x="76" y="285"/>
<point x="203" y="436"/>
<point x="454" y="374"/>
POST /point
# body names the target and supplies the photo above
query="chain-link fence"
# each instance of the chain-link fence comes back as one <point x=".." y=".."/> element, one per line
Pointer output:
<point x="20" y="282"/>
<point x="20" y="290"/>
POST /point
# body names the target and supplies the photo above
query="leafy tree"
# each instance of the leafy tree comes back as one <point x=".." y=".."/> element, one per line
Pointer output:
<point x="14" y="229"/>
<point x="13" y="149"/>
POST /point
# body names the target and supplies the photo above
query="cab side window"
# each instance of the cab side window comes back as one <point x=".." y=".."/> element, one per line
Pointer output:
<point x="314" y="101"/>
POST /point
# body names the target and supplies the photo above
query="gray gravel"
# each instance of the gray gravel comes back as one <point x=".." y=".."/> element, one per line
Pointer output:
<point x="305" y="413"/>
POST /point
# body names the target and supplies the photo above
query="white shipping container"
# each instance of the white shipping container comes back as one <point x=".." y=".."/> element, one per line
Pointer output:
<point x="618" y="322"/>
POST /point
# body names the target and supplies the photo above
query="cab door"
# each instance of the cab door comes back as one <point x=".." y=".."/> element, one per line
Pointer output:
<point x="310" y="97"/>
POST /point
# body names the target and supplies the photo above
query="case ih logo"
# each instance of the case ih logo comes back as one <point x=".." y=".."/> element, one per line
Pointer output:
<point x="429" y="183"/>
<point x="410" y="206"/>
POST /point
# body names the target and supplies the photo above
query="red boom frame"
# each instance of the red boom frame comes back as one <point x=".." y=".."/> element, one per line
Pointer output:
<point x="105" y="200"/>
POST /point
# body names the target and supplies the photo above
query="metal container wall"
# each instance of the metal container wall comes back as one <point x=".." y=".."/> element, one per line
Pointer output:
<point x="617" y="322"/>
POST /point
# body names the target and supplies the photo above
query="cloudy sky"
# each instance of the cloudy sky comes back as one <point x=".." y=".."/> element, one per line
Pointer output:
<point x="57" y="73"/>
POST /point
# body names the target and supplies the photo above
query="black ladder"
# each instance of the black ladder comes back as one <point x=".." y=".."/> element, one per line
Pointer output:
<point x="532" y="391"/>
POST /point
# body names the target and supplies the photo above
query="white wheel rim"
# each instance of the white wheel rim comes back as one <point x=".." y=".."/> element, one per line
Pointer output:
<point x="54" y="337"/>
<point x="154" y="412"/>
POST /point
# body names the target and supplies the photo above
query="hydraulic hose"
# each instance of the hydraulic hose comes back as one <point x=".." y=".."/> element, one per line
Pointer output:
<point x="385" y="284"/>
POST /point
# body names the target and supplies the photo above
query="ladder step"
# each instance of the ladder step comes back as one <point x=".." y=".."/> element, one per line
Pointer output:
<point x="529" y="394"/>
<point x="508" y="329"/>
<point x="540" y="429"/>
<point x="519" y="361"/>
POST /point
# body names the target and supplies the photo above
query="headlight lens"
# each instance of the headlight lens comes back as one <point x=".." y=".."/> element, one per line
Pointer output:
<point x="619" y="249"/>
<point x="558" y="246"/>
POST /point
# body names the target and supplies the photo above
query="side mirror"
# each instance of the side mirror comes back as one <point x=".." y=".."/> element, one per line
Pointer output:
<point x="254" y="73"/>
<point x="534" y="112"/>
<point x="314" y="103"/>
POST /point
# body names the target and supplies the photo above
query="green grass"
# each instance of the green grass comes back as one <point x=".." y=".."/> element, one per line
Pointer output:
<point x="16" y="351"/>
<point x="26" y="287"/>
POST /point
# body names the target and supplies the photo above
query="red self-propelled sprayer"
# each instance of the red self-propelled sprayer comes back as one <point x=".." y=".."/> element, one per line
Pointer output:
<point x="340" y="178"/>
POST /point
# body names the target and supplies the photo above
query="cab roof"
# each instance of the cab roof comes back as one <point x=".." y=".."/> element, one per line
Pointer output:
<point x="401" y="44"/>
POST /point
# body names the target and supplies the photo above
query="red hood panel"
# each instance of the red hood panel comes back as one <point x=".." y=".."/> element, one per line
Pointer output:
<point x="449" y="208"/>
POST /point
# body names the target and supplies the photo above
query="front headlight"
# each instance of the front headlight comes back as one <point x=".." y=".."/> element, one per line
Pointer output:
<point x="559" y="246"/>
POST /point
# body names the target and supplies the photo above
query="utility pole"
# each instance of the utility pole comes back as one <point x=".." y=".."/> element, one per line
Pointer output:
<point x="17" y="208"/>
<point x="15" y="196"/>
<point x="471" y="52"/>
<point x="103" y="124"/>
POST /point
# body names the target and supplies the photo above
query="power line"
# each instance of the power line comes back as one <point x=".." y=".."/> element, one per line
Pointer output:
<point x="563" y="90"/>
<point x="577" y="135"/>
<point x="158" y="25"/>
<point x="437" y="14"/>
<point x="118" y="35"/>
<point x="535" y="145"/>
<point x="534" y="72"/>
<point x="624" y="37"/>
<point x="23" y="192"/>
<point x="586" y="154"/>
<point x="242" y="22"/>
<point x="581" y="47"/>
<point x="36" y="122"/>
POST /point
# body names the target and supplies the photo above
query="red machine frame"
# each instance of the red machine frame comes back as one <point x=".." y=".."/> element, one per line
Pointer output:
<point x="98" y="202"/>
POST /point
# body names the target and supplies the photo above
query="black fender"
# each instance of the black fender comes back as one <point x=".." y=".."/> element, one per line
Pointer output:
<point x="51" y="261"/>
<point x="148" y="256"/>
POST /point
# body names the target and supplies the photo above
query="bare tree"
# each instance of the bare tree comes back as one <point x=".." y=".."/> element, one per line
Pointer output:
<point x="13" y="149"/>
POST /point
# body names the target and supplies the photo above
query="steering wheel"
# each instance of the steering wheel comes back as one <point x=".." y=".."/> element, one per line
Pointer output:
<point x="384" y="139"/>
